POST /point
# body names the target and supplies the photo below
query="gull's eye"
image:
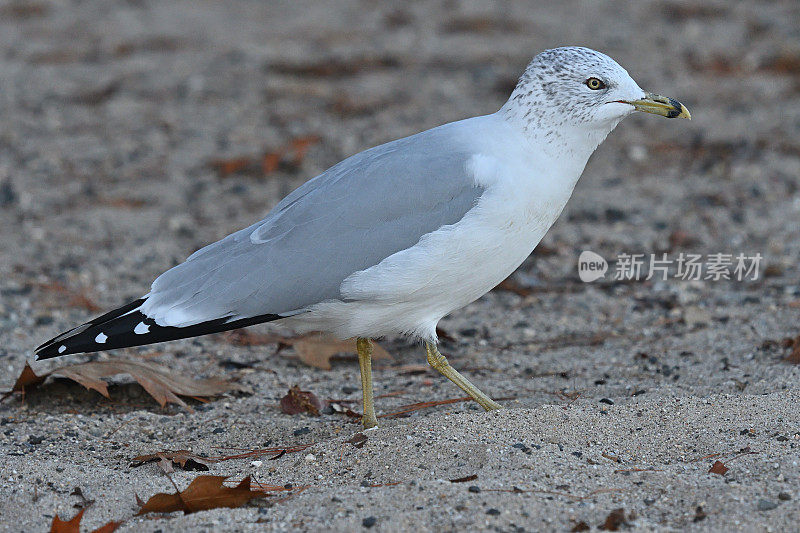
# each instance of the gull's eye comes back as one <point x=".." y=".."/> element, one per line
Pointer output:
<point x="595" y="84"/>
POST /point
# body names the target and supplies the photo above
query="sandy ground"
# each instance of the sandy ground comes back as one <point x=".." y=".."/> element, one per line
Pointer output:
<point x="112" y="112"/>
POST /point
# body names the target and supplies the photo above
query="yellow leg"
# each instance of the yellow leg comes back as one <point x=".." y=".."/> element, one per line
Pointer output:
<point x="364" y="347"/>
<point x="439" y="362"/>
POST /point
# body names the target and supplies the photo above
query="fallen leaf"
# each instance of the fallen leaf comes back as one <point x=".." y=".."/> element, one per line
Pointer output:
<point x="614" y="520"/>
<point x="793" y="343"/>
<point x="226" y="167"/>
<point x="202" y="494"/>
<point x="358" y="440"/>
<point x="318" y="350"/>
<point x="313" y="349"/>
<point x="718" y="468"/>
<point x="109" y="527"/>
<point x="163" y="384"/>
<point x="74" y="525"/>
<point x="71" y="526"/>
<point x="183" y="458"/>
<point x="299" y="147"/>
<point x="289" y="156"/>
<point x="580" y="526"/>
<point x="270" y="162"/>
<point x="27" y="380"/>
<point x="299" y="401"/>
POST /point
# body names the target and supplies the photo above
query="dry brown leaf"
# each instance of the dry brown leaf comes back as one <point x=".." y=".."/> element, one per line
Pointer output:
<point x="74" y="525"/>
<point x="160" y="382"/>
<point x="290" y="156"/>
<point x="183" y="458"/>
<point x="718" y="468"/>
<point x="226" y="167"/>
<point x="202" y="494"/>
<point x="108" y="528"/>
<point x="358" y="440"/>
<point x="270" y="162"/>
<point x="313" y="349"/>
<point x="793" y="344"/>
<point x="299" y="401"/>
<point x="299" y="147"/>
<point x="317" y="350"/>
<point x="614" y="520"/>
<point x="70" y="526"/>
<point x="27" y="380"/>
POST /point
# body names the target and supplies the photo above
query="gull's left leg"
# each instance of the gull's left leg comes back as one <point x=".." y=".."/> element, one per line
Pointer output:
<point x="364" y="348"/>
<point x="439" y="362"/>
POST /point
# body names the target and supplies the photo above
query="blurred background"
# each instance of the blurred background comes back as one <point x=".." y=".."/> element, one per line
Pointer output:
<point x="134" y="132"/>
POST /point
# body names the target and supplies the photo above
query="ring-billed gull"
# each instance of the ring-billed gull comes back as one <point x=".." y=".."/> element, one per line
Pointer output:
<point x="394" y="238"/>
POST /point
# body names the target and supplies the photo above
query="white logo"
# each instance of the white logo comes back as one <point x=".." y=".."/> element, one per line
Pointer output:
<point x="591" y="266"/>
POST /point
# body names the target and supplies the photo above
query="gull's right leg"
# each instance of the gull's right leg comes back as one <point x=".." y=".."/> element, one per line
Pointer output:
<point x="439" y="362"/>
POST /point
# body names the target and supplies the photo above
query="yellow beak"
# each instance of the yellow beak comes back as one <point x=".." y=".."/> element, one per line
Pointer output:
<point x="660" y="105"/>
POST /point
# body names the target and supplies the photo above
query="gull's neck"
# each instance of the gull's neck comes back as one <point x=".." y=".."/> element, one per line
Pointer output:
<point x="550" y="134"/>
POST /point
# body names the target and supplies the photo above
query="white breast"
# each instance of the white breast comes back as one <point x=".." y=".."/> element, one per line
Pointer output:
<point x="411" y="290"/>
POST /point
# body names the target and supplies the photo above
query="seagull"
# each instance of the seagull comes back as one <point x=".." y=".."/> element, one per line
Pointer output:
<point x="392" y="239"/>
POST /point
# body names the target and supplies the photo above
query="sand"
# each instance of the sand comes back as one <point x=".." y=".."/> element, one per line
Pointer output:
<point x="625" y="392"/>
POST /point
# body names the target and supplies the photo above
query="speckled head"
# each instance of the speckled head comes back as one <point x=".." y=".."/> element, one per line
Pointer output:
<point x="575" y="87"/>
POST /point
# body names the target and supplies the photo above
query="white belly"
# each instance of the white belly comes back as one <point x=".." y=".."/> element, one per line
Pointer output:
<point x="411" y="290"/>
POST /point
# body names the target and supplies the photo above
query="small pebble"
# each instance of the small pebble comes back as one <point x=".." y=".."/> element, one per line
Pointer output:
<point x="607" y="401"/>
<point x="369" y="521"/>
<point x="474" y="488"/>
<point x="766" y="505"/>
<point x="257" y="464"/>
<point x="310" y="458"/>
<point x="784" y="496"/>
<point x="493" y="512"/>
<point x="301" y="431"/>
<point x="35" y="440"/>
<point x="217" y="431"/>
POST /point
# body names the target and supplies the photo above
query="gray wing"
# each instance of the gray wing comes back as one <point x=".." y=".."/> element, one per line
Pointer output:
<point x="347" y="219"/>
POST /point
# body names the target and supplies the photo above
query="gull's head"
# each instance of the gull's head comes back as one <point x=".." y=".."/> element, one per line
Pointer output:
<point x="574" y="87"/>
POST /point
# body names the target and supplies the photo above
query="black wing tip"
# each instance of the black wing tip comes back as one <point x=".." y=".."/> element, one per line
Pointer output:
<point x="127" y="326"/>
<point x="73" y="340"/>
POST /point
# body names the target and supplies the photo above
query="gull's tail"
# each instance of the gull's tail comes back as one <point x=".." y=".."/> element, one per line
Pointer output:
<point x="128" y="326"/>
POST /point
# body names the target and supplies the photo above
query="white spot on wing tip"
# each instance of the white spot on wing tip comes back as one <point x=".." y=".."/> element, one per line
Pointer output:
<point x="62" y="349"/>
<point x="101" y="338"/>
<point x="141" y="328"/>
